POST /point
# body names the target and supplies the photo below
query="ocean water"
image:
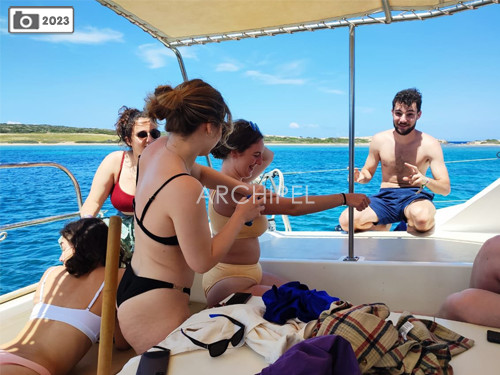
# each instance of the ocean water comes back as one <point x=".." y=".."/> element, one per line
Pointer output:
<point x="31" y="193"/>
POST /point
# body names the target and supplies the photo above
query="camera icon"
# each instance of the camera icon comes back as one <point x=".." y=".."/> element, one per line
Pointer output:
<point x="25" y="21"/>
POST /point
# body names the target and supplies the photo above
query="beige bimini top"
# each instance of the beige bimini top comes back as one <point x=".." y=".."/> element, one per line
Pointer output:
<point x="258" y="227"/>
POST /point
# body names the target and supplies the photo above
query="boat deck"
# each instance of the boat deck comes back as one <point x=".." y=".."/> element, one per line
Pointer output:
<point x="480" y="359"/>
<point x="394" y="248"/>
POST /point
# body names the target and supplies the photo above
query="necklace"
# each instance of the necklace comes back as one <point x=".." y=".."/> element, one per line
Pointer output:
<point x="178" y="155"/>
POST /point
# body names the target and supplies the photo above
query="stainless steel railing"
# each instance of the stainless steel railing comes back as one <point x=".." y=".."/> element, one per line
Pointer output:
<point x="4" y="228"/>
<point x="48" y="219"/>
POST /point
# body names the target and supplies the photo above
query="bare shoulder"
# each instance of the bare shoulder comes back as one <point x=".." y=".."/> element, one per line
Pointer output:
<point x="51" y="273"/>
<point x="428" y="138"/>
<point x="110" y="165"/>
<point x="55" y="270"/>
<point x="381" y="138"/>
<point x="430" y="141"/>
<point x="114" y="157"/>
<point x="186" y="185"/>
<point x="185" y="193"/>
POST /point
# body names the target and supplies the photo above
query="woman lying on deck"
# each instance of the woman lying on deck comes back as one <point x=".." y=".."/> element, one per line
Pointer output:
<point x="66" y="317"/>
<point x="244" y="159"/>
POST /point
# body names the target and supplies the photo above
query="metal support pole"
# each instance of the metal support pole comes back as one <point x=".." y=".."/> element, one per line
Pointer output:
<point x="350" y="257"/>
<point x="185" y="78"/>
<point x="181" y="62"/>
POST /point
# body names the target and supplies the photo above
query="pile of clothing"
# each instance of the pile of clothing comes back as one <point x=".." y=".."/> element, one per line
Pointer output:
<point x="307" y="332"/>
<point x="411" y="346"/>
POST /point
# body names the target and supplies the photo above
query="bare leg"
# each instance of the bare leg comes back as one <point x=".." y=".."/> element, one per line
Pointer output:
<point x="480" y="304"/>
<point x="8" y="369"/>
<point x="363" y="220"/>
<point x="226" y="287"/>
<point x="475" y="306"/>
<point x="486" y="268"/>
<point x="420" y="215"/>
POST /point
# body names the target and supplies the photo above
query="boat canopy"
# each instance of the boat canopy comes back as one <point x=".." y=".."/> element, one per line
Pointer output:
<point x="178" y="23"/>
<point x="181" y="23"/>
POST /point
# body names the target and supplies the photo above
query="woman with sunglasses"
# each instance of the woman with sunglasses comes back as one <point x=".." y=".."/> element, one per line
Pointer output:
<point x="116" y="174"/>
<point x="244" y="158"/>
<point x="173" y="238"/>
<point x="66" y="317"/>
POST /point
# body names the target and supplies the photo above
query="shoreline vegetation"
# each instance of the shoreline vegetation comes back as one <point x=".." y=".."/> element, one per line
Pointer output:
<point x="22" y="134"/>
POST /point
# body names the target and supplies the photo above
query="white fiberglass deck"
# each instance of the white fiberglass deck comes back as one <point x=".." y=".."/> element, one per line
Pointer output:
<point x="398" y="248"/>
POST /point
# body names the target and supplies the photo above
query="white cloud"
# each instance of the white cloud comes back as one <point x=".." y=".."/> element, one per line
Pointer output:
<point x="227" y="67"/>
<point x="366" y="109"/>
<point x="3" y="26"/>
<point x="332" y="91"/>
<point x="89" y="35"/>
<point x="156" y="55"/>
<point x="292" y="68"/>
<point x="14" y="123"/>
<point x="269" y="79"/>
<point x="294" y="125"/>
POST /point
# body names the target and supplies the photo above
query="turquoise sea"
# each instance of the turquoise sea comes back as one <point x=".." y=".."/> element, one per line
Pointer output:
<point x="31" y="193"/>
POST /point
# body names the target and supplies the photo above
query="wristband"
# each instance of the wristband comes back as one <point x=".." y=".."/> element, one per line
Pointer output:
<point x="425" y="183"/>
<point x="345" y="200"/>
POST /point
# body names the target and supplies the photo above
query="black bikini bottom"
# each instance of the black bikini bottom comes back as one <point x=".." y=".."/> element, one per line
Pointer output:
<point x="132" y="285"/>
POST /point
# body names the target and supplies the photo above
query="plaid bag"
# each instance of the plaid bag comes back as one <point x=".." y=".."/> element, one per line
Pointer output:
<point x="364" y="326"/>
<point x="412" y="346"/>
<point x="425" y="347"/>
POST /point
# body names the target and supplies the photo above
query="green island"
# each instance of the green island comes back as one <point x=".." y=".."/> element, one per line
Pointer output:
<point x="56" y="134"/>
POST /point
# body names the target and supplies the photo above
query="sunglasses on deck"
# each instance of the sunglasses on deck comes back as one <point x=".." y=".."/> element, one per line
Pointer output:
<point x="217" y="348"/>
<point x="154" y="133"/>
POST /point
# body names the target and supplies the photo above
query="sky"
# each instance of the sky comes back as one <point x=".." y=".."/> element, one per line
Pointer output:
<point x="290" y="85"/>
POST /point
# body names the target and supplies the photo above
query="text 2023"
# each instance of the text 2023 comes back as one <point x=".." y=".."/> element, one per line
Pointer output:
<point x="53" y="20"/>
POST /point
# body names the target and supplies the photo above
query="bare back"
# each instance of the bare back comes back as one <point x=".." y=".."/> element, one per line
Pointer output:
<point x="159" y="310"/>
<point x="56" y="345"/>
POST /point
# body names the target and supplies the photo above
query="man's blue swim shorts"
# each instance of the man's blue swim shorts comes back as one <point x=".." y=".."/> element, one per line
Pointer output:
<point x="389" y="203"/>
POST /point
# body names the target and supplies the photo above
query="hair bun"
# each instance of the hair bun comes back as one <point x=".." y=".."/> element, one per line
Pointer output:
<point x="162" y="89"/>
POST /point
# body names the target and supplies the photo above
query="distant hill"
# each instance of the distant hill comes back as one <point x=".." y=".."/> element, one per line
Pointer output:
<point x="24" y="128"/>
<point x="33" y="130"/>
<point x="29" y="133"/>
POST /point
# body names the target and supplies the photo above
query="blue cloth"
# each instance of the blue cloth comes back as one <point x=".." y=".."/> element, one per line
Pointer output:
<point x="295" y="300"/>
<point x="322" y="355"/>
<point x="389" y="203"/>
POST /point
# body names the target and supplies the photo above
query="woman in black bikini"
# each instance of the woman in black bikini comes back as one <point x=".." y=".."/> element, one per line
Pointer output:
<point x="173" y="239"/>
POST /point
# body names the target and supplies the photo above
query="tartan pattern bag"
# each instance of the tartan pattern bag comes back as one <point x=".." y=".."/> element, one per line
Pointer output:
<point x="412" y="346"/>
<point x="428" y="349"/>
<point x="364" y="326"/>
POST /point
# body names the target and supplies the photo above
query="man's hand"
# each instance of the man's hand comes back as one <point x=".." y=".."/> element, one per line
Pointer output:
<point x="415" y="178"/>
<point x="359" y="177"/>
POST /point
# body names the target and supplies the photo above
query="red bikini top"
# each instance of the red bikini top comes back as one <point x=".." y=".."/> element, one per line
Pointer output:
<point x="120" y="200"/>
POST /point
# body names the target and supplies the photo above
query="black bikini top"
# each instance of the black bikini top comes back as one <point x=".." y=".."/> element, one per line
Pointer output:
<point x="163" y="240"/>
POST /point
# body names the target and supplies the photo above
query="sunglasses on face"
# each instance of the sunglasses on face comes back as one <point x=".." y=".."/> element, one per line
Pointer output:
<point x="217" y="348"/>
<point x="61" y="245"/>
<point x="154" y="133"/>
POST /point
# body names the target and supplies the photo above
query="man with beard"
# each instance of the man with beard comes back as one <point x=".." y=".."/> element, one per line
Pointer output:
<point x="405" y="155"/>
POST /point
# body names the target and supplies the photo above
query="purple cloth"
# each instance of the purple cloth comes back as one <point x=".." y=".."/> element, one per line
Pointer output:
<point x="322" y="355"/>
<point x="295" y="300"/>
